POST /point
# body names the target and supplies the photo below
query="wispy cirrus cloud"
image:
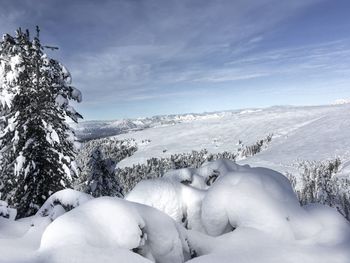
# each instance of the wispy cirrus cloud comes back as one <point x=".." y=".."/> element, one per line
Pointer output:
<point x="152" y="50"/>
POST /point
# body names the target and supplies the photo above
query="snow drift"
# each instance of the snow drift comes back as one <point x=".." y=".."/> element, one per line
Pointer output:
<point x="62" y="202"/>
<point x="217" y="213"/>
<point x="115" y="223"/>
<point x="179" y="201"/>
<point x="245" y="208"/>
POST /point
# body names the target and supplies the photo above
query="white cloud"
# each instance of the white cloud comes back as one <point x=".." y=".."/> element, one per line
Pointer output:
<point x="341" y="101"/>
<point x="130" y="48"/>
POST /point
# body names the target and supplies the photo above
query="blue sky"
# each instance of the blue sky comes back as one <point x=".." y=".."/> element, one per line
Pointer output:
<point x="134" y="58"/>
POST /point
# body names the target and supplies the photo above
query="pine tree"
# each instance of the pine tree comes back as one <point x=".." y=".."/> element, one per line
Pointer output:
<point x="11" y="67"/>
<point x="37" y="144"/>
<point x="100" y="179"/>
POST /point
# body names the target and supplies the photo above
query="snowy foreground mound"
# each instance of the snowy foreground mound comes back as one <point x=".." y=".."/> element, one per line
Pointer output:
<point x="221" y="212"/>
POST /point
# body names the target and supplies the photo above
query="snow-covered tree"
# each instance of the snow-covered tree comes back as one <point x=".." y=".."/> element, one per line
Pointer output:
<point x="37" y="145"/>
<point x="318" y="183"/>
<point x="100" y="179"/>
<point x="10" y="68"/>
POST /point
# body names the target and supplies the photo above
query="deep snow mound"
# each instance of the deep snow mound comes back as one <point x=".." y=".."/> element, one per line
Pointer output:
<point x="62" y="202"/>
<point x="255" y="198"/>
<point x="194" y="197"/>
<point x="205" y="176"/>
<point x="177" y="200"/>
<point x="231" y="212"/>
<point x="115" y="223"/>
<point x="221" y="196"/>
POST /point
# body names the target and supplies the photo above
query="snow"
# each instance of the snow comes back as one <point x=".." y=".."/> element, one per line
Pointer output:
<point x="88" y="254"/>
<point x="249" y="111"/>
<point x="165" y="239"/>
<point x="77" y="95"/>
<point x="248" y="214"/>
<point x="61" y="101"/>
<point x="299" y="133"/>
<point x="66" y="74"/>
<point x="248" y="245"/>
<point x="20" y="160"/>
<point x="241" y="196"/>
<point x="6" y="211"/>
<point x="54" y="136"/>
<point x="186" y="176"/>
<point x="63" y="200"/>
<point x="341" y="101"/>
<point x="11" y="229"/>
<point x="99" y="223"/>
<point x="19" y="240"/>
<point x="179" y="201"/>
<point x="255" y="198"/>
<point x="100" y="230"/>
<point x="6" y="98"/>
<point x="114" y="223"/>
<point x="123" y="124"/>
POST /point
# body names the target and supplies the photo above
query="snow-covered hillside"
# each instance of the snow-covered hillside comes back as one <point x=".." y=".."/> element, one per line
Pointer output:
<point x="299" y="133"/>
<point x="96" y="129"/>
<point x="245" y="214"/>
<point x="216" y="213"/>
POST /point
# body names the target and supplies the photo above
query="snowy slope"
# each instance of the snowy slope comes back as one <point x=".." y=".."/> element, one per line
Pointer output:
<point x="299" y="133"/>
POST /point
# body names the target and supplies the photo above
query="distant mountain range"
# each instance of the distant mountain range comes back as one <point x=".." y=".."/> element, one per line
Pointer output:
<point x="88" y="130"/>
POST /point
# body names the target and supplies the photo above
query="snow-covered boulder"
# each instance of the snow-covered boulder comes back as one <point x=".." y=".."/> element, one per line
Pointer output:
<point x="218" y="167"/>
<point x="269" y="225"/>
<point x="161" y="194"/>
<point x="113" y="223"/>
<point x="180" y="194"/>
<point x="256" y="198"/>
<point x="62" y="202"/>
<point x="179" y="201"/>
<point x="206" y="175"/>
<point x="187" y="176"/>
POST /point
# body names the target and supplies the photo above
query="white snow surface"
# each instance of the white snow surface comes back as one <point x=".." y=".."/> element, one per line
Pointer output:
<point x="299" y="133"/>
<point x="255" y="198"/>
<point x="57" y="203"/>
<point x="115" y="223"/>
<point x="246" y="209"/>
<point x="6" y="211"/>
<point x="181" y="202"/>
<point x="247" y="215"/>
